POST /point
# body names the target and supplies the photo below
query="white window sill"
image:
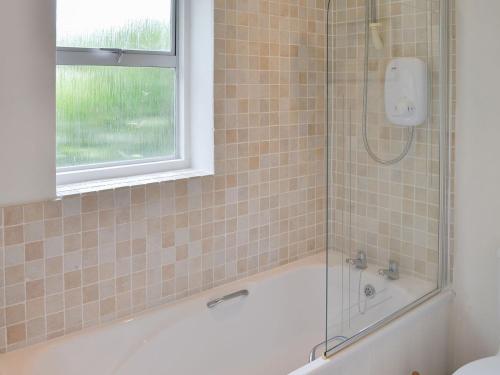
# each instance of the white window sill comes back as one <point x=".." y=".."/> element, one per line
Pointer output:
<point x="115" y="183"/>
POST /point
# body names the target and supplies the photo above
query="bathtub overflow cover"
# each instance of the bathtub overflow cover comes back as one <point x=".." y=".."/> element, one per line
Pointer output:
<point x="370" y="291"/>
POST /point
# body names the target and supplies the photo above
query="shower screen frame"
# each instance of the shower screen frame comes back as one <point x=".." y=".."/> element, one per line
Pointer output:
<point x="443" y="274"/>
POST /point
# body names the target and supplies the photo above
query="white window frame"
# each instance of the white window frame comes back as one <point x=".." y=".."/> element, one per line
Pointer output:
<point x="133" y="58"/>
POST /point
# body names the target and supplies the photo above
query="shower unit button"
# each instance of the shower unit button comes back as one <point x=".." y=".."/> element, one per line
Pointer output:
<point x="406" y="91"/>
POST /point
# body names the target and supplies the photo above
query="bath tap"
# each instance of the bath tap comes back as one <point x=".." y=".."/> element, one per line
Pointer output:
<point x="360" y="262"/>
<point x="392" y="273"/>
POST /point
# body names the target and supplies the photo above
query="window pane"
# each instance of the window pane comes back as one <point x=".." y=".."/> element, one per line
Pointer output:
<point x="126" y="24"/>
<point x="110" y="114"/>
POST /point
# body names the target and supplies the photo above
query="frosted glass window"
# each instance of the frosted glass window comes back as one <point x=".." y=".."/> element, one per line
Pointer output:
<point x="114" y="114"/>
<point x="125" y="24"/>
<point x="116" y="88"/>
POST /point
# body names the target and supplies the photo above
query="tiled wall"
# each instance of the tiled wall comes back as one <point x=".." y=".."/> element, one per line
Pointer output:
<point x="92" y="258"/>
<point x="392" y="211"/>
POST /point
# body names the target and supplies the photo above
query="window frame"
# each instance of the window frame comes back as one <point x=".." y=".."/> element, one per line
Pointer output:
<point x="117" y="57"/>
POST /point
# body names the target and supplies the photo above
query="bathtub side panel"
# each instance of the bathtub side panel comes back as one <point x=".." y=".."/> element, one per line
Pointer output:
<point x="414" y="342"/>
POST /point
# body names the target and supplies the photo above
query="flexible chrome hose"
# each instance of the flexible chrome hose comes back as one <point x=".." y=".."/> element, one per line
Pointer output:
<point x="410" y="130"/>
<point x="411" y="136"/>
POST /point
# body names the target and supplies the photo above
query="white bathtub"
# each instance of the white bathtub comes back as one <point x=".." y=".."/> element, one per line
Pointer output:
<point x="271" y="331"/>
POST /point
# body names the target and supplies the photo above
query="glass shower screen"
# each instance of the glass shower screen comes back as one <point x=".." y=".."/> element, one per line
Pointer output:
<point x="386" y="150"/>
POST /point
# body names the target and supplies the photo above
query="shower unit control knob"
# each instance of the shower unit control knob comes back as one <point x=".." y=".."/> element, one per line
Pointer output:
<point x="405" y="107"/>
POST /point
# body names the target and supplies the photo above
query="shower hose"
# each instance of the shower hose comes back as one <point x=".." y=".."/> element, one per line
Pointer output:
<point x="410" y="130"/>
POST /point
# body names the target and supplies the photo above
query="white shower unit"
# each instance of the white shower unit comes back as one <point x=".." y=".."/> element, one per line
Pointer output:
<point x="406" y="91"/>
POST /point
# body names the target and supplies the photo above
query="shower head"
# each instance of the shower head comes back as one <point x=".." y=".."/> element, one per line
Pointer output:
<point x="375" y="26"/>
<point x="375" y="33"/>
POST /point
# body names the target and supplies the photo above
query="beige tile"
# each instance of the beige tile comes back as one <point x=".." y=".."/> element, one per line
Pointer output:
<point x="54" y="266"/>
<point x="15" y="294"/>
<point x="90" y="221"/>
<point x="107" y="306"/>
<point x="52" y="209"/>
<point x="90" y="293"/>
<point x="33" y="212"/>
<point x="181" y="253"/>
<point x="89" y="239"/>
<point x="72" y="279"/>
<point x="53" y="228"/>
<point x="89" y="202"/>
<point x="168" y="239"/>
<point x="54" y="284"/>
<point x="36" y="327"/>
<point x="123" y="284"/>
<point x="55" y="322"/>
<point x="35" y="289"/>
<point x="106" y="199"/>
<point x="90" y="275"/>
<point x="106" y="218"/>
<point x="168" y="272"/>
<point x="72" y="242"/>
<point x="16" y="334"/>
<point x="13" y="235"/>
<point x="15" y="314"/>
<point x="73" y="298"/>
<point x="33" y="251"/>
<point x="54" y="303"/>
<point x="123" y="250"/>
<point x="91" y="313"/>
<point x="13" y="215"/>
<point x="138" y="246"/>
<point x="180" y="188"/>
<point x="35" y="308"/>
<point x="14" y="274"/>
<point x="72" y="224"/>
<point x="138" y="195"/>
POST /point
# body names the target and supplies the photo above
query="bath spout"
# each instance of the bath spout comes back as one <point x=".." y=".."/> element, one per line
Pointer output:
<point x="360" y="262"/>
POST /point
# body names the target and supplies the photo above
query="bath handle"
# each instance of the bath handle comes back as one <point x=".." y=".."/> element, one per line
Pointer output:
<point x="240" y="293"/>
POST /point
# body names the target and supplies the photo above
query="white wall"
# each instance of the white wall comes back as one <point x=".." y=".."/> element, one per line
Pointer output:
<point x="475" y="326"/>
<point x="27" y="100"/>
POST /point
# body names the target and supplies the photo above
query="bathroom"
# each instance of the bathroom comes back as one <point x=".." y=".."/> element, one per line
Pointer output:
<point x="249" y="187"/>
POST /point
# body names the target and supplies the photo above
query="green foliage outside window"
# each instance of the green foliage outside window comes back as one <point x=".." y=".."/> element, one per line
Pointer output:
<point x="109" y="114"/>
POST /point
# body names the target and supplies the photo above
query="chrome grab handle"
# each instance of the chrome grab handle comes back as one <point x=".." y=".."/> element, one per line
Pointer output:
<point x="240" y="293"/>
<point x="312" y="355"/>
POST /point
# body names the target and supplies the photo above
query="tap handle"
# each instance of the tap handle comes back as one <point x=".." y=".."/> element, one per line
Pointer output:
<point x="393" y="266"/>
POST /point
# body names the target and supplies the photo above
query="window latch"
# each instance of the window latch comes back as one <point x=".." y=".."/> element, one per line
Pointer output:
<point x="118" y="51"/>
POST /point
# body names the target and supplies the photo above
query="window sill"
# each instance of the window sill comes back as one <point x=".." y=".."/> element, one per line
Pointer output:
<point x="115" y="183"/>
